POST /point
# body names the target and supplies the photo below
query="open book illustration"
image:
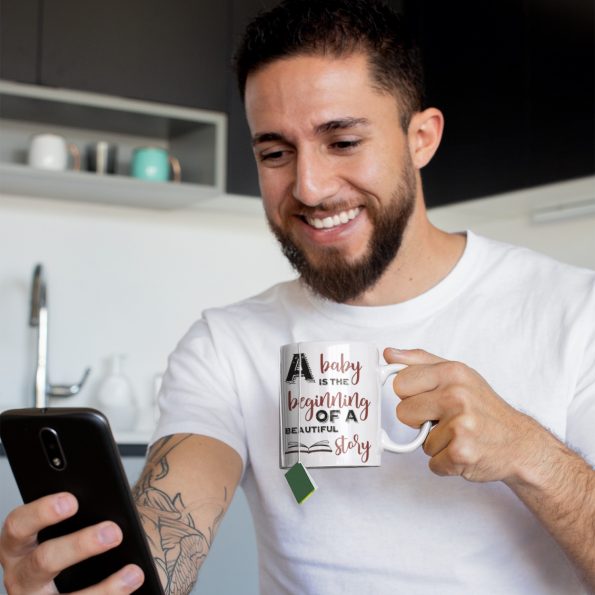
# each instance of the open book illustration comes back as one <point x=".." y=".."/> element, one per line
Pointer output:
<point x="320" y="446"/>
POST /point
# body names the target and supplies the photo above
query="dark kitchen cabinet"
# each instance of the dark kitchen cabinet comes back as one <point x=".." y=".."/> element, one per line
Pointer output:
<point x="19" y="40"/>
<point x="242" y="177"/>
<point x="170" y="52"/>
<point x="515" y="80"/>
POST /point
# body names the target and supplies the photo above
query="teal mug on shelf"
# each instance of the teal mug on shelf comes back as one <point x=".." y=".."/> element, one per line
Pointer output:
<point x="155" y="164"/>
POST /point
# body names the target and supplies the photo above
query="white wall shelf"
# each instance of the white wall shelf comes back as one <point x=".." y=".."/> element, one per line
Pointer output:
<point x="16" y="179"/>
<point x="196" y="137"/>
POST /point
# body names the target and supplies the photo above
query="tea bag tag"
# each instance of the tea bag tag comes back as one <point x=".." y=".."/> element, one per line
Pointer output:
<point x="301" y="482"/>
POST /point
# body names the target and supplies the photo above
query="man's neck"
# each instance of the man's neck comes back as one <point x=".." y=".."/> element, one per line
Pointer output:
<point x="426" y="256"/>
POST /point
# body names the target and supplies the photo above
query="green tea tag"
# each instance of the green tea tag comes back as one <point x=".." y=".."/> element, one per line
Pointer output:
<point x="301" y="483"/>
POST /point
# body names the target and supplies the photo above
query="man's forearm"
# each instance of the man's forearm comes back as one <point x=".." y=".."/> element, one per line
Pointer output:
<point x="559" y="488"/>
<point x="179" y="536"/>
<point x="178" y="546"/>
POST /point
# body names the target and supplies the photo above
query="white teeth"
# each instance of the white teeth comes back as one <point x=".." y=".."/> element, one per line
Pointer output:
<point x="334" y="221"/>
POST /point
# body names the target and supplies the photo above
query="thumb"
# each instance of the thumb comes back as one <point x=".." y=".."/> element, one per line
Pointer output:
<point x="410" y="356"/>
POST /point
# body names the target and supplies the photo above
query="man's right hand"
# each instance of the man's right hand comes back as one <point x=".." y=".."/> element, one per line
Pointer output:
<point x="30" y="567"/>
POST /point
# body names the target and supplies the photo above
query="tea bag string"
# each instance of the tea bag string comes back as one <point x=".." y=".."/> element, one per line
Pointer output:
<point x="299" y="459"/>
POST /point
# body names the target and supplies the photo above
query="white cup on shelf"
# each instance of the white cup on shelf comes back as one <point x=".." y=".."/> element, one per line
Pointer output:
<point x="51" y="151"/>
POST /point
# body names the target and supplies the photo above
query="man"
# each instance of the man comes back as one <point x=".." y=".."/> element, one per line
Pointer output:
<point x="334" y="103"/>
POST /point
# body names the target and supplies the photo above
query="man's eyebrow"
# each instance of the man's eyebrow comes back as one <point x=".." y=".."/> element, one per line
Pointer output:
<point x="338" y="124"/>
<point x="265" y="137"/>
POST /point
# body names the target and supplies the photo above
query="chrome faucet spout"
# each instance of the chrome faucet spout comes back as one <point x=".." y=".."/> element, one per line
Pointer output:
<point x="38" y="318"/>
<point x="38" y="299"/>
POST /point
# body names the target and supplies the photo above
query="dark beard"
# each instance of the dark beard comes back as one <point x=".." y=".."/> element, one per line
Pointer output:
<point x="341" y="281"/>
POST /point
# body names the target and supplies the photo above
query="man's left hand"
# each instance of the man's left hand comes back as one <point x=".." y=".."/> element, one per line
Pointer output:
<point x="478" y="435"/>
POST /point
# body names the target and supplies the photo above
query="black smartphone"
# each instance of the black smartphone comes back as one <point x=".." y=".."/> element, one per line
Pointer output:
<point x="72" y="449"/>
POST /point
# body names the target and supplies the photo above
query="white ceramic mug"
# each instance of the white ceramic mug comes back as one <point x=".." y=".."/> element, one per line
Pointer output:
<point x="330" y="405"/>
<point x="50" y="151"/>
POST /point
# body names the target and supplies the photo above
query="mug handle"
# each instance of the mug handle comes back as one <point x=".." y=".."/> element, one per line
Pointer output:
<point x="386" y="371"/>
<point x="76" y="156"/>
<point x="175" y="168"/>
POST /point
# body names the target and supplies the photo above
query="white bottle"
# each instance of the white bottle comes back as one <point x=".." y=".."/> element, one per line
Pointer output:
<point x="115" y="397"/>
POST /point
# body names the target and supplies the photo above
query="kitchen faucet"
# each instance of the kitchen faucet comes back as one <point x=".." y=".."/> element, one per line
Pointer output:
<point x="39" y="320"/>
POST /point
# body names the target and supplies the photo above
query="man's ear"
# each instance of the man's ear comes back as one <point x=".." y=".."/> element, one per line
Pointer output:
<point x="425" y="132"/>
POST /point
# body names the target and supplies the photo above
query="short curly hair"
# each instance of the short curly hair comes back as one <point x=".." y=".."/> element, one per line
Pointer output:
<point x="338" y="28"/>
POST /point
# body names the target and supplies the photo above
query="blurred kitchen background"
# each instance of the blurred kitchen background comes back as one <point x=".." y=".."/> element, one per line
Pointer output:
<point x="130" y="264"/>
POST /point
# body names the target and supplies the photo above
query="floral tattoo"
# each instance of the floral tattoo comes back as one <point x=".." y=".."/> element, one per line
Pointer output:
<point x="180" y="541"/>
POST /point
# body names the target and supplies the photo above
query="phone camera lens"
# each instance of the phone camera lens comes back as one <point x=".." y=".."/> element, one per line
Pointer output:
<point x="52" y="448"/>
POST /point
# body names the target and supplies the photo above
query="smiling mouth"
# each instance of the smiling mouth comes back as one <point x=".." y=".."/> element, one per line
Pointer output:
<point x="336" y="220"/>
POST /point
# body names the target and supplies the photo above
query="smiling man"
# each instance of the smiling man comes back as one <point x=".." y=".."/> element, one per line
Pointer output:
<point x="499" y="344"/>
<point x="339" y="174"/>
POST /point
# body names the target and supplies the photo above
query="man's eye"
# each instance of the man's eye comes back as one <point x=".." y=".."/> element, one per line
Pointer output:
<point x="346" y="144"/>
<point x="272" y="156"/>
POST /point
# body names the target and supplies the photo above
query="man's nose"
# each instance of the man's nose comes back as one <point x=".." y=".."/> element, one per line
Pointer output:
<point x="315" y="179"/>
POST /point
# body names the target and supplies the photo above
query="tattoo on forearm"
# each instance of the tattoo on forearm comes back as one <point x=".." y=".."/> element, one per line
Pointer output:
<point x="184" y="540"/>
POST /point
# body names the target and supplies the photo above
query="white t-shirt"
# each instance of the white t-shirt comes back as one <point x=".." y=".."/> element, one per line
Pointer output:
<point x="525" y="322"/>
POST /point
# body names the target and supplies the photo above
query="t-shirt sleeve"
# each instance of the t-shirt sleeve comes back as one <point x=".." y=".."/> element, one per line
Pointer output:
<point x="198" y="395"/>
<point x="580" y="427"/>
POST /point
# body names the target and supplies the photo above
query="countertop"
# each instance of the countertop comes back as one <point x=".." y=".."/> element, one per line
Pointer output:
<point x="130" y="444"/>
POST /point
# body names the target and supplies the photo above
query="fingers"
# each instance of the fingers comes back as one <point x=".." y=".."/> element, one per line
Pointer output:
<point x="410" y="356"/>
<point x="414" y="411"/>
<point x="452" y="452"/>
<point x="455" y="382"/>
<point x="48" y="559"/>
<point x="416" y="380"/>
<point x="425" y="371"/>
<point x="443" y="465"/>
<point x="31" y="567"/>
<point x="19" y="532"/>
<point x="462" y="431"/>
<point x="125" y="581"/>
<point x="62" y="552"/>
